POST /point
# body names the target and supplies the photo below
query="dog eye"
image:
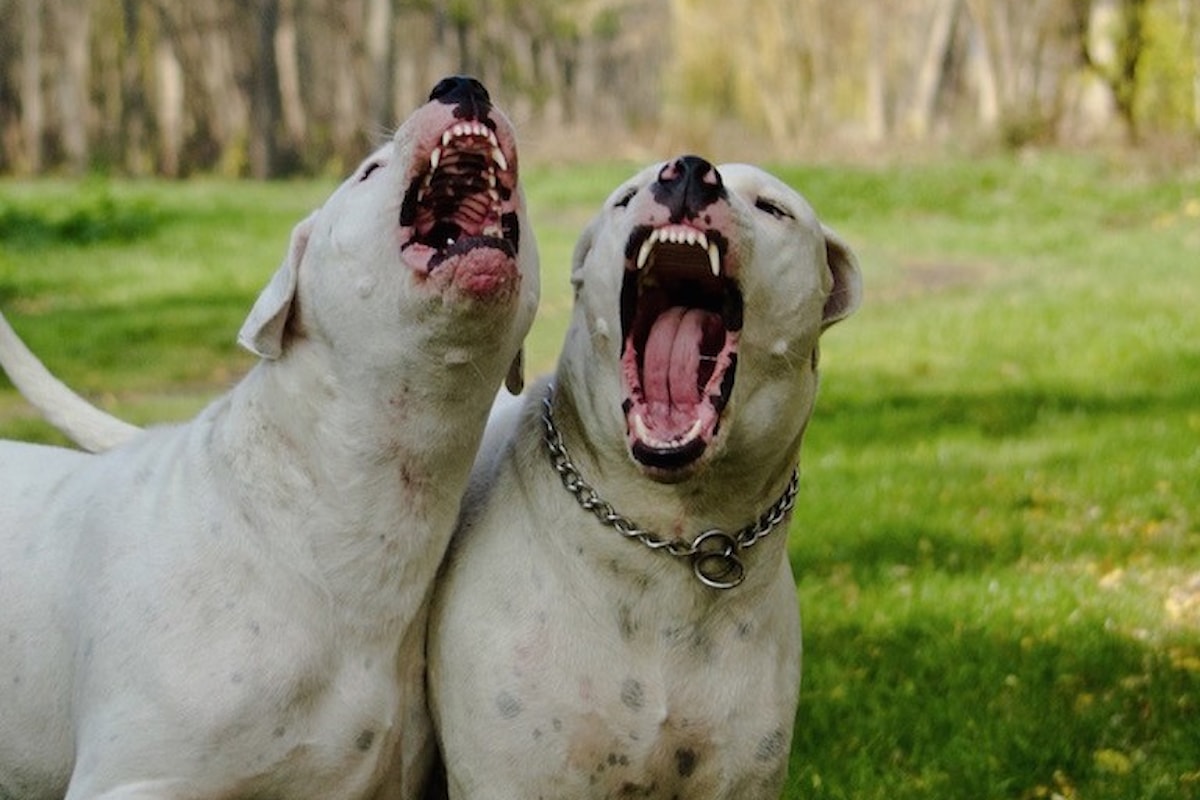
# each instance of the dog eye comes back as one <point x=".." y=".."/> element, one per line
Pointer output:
<point x="368" y="169"/>
<point x="774" y="209"/>
<point x="624" y="199"/>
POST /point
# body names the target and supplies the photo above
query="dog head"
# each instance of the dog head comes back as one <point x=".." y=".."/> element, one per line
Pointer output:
<point x="703" y="292"/>
<point x="432" y="222"/>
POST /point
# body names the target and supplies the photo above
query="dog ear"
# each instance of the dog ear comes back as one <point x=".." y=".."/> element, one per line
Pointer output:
<point x="845" y="295"/>
<point x="265" y="327"/>
<point x="515" y="380"/>
<point x="583" y="246"/>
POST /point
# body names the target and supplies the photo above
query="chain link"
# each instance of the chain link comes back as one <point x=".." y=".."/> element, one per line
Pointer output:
<point x="715" y="554"/>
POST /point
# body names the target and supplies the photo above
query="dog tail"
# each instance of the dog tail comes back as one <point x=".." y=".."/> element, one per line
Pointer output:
<point x="83" y="423"/>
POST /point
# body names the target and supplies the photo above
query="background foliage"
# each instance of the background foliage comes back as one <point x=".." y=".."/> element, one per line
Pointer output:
<point x="279" y="87"/>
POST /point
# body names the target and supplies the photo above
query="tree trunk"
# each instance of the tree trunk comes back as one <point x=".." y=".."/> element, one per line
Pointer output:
<point x="73" y="25"/>
<point x="287" y="61"/>
<point x="32" y="111"/>
<point x="169" y="104"/>
<point x="983" y="67"/>
<point x="931" y="71"/>
<point x="380" y="64"/>
<point x="876" y="82"/>
<point x="265" y="108"/>
<point x="133" y="126"/>
<point x="1192" y="24"/>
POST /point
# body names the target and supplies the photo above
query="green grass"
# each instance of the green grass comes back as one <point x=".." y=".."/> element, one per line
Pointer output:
<point x="998" y="516"/>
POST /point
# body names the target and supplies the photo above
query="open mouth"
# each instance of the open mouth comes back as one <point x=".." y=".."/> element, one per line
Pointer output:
<point x="681" y="317"/>
<point x="462" y="200"/>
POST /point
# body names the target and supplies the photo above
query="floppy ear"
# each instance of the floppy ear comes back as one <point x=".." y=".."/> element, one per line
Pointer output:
<point x="263" y="331"/>
<point x="515" y="380"/>
<point x="845" y="296"/>
<point x="583" y="246"/>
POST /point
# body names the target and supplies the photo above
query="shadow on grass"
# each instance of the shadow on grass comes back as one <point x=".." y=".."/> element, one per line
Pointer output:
<point x="92" y="216"/>
<point x="948" y="706"/>
<point x="901" y="417"/>
<point x="174" y="339"/>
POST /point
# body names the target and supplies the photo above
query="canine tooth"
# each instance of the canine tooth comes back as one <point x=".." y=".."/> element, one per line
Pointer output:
<point x="644" y="252"/>
<point x="692" y="432"/>
<point x="435" y="157"/>
<point x="701" y="239"/>
<point x="639" y="428"/>
<point x="498" y="157"/>
<point x="491" y="137"/>
<point x="446" y="137"/>
<point x="714" y="260"/>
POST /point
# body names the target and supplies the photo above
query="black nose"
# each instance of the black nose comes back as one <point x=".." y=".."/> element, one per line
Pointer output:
<point x="467" y="94"/>
<point x="688" y="185"/>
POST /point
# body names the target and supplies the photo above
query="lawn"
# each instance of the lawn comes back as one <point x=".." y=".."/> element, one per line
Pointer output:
<point x="996" y="546"/>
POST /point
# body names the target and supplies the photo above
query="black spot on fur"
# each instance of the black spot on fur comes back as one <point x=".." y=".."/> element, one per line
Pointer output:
<point x="771" y="746"/>
<point x="508" y="705"/>
<point x="685" y="761"/>
<point x="632" y="694"/>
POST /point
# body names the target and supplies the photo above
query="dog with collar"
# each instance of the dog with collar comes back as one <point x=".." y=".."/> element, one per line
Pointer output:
<point x="236" y="606"/>
<point x="617" y="615"/>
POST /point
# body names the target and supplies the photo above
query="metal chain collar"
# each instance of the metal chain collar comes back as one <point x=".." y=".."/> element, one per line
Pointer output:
<point x="715" y="554"/>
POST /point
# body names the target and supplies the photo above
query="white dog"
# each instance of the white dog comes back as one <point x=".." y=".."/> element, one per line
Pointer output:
<point x="235" y="607"/>
<point x="617" y="617"/>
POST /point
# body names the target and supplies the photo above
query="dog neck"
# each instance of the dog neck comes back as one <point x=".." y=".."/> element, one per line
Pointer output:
<point x="366" y="482"/>
<point x="672" y="520"/>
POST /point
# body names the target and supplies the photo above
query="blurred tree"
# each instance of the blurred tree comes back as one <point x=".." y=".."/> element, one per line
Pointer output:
<point x="274" y="86"/>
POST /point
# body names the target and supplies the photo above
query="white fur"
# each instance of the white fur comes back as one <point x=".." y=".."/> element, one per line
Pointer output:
<point x="235" y="606"/>
<point x="567" y="661"/>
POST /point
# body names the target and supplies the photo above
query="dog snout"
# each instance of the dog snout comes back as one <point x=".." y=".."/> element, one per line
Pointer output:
<point x="466" y="93"/>
<point x="687" y="186"/>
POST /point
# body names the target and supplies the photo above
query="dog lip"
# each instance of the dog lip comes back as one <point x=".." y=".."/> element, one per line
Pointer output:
<point x="461" y="193"/>
<point x="670" y="459"/>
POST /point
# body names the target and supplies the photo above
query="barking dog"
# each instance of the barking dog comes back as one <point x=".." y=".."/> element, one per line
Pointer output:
<point x="617" y="616"/>
<point x="235" y="607"/>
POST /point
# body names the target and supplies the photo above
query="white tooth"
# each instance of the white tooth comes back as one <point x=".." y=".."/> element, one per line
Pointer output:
<point x="714" y="260"/>
<point x="498" y="157"/>
<point x="691" y="237"/>
<point x="457" y="130"/>
<point x="491" y="137"/>
<point x="701" y="239"/>
<point x="639" y="428"/>
<point x="644" y="252"/>
<point x="435" y="157"/>
<point x="692" y="433"/>
<point x="491" y="179"/>
<point x="493" y="231"/>
<point x="446" y="137"/>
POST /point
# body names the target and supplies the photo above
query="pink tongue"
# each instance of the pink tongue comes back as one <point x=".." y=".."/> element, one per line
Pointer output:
<point x="671" y="368"/>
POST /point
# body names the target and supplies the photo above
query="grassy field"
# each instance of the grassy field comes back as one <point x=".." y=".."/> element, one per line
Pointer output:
<point x="997" y="548"/>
